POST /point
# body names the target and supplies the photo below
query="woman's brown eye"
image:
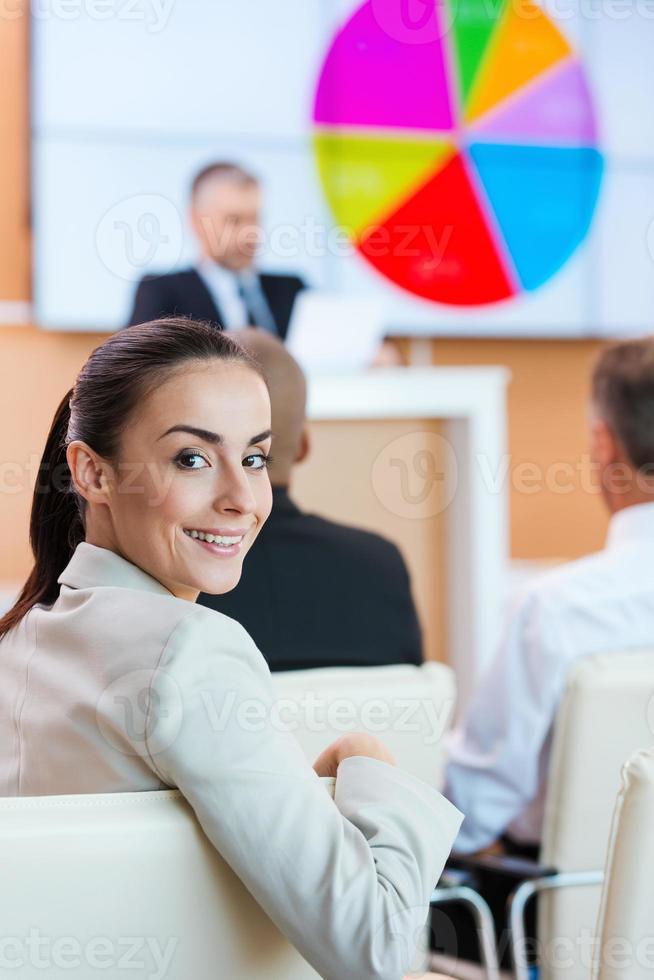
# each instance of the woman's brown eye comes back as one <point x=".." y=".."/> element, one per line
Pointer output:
<point x="182" y="461"/>
<point x="257" y="461"/>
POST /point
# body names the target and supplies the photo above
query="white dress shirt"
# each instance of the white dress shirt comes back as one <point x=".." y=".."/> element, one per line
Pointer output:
<point x="499" y="755"/>
<point x="223" y="287"/>
<point x="120" y="686"/>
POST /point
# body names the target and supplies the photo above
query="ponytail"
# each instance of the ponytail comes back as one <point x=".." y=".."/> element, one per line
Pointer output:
<point x="56" y="526"/>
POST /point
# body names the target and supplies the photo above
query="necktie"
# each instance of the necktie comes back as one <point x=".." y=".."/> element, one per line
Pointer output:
<point x="256" y="304"/>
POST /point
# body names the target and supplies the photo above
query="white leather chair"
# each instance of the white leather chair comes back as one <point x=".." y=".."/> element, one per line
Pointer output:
<point x="626" y="922"/>
<point x="605" y="716"/>
<point x="127" y="884"/>
<point x="409" y="708"/>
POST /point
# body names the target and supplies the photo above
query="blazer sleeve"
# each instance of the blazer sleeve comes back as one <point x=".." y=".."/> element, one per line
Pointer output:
<point x="348" y="880"/>
<point x="149" y="301"/>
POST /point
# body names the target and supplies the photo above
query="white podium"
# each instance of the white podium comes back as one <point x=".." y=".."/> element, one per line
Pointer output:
<point x="472" y="404"/>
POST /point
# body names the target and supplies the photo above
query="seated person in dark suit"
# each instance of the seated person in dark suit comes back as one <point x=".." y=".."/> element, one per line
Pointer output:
<point x="314" y="593"/>
<point x="223" y="287"/>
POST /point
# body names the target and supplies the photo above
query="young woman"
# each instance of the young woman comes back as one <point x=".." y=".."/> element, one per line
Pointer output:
<point x="152" y="488"/>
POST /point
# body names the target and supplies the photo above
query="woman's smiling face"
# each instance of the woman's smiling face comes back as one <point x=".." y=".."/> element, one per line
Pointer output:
<point x="193" y="464"/>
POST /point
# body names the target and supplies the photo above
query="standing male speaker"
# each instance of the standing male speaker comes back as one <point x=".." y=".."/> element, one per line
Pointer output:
<point x="223" y="286"/>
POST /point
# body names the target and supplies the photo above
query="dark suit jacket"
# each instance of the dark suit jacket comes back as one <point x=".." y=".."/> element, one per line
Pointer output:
<point x="185" y="294"/>
<point x="318" y="594"/>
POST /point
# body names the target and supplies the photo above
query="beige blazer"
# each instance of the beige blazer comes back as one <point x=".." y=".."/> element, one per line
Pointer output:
<point x="121" y="686"/>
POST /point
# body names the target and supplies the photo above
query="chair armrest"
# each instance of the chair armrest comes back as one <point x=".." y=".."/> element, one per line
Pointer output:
<point x="522" y="869"/>
<point x="456" y="877"/>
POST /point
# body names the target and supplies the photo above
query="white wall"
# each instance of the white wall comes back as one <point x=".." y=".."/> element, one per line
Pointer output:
<point x="131" y="96"/>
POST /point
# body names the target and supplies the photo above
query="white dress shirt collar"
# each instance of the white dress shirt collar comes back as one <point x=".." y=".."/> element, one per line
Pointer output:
<point x="631" y="524"/>
<point x="215" y="272"/>
<point x="91" y="566"/>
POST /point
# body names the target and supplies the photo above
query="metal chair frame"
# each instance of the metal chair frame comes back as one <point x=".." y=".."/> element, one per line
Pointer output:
<point x="518" y="903"/>
<point x="483" y="921"/>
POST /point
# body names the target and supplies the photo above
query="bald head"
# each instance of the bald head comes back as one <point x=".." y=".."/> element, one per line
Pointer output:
<point x="288" y="396"/>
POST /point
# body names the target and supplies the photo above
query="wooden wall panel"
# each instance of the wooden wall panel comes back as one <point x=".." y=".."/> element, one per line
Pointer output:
<point x="14" y="158"/>
<point x="554" y="511"/>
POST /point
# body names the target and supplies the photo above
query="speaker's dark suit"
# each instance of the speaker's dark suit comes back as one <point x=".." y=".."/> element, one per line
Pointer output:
<point x="185" y="294"/>
<point x="318" y="594"/>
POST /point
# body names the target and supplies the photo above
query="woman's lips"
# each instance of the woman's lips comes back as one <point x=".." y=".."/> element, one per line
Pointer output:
<point x="228" y="545"/>
<point x="220" y="550"/>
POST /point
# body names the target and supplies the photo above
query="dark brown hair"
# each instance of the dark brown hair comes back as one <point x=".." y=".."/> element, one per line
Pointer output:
<point x="115" y="379"/>
<point x="623" y="391"/>
<point x="221" y="170"/>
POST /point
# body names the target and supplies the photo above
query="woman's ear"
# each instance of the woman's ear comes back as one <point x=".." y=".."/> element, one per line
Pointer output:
<point x="90" y="473"/>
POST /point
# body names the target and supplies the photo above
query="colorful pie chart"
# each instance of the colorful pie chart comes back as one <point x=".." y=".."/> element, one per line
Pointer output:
<point x="458" y="148"/>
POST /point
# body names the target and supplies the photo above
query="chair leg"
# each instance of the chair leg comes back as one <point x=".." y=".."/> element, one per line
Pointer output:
<point x="517" y="905"/>
<point x="483" y="921"/>
<point x="518" y="900"/>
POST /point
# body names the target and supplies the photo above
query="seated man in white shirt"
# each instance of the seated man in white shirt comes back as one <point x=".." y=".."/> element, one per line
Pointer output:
<point x="598" y="604"/>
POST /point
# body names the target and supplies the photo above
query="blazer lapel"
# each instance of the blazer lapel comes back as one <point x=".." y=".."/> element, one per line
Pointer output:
<point x="201" y="301"/>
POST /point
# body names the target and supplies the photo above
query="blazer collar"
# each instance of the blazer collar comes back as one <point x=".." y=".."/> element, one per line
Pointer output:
<point x="91" y="566"/>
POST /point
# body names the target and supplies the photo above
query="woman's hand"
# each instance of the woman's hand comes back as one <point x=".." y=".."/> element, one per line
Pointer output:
<point x="348" y="745"/>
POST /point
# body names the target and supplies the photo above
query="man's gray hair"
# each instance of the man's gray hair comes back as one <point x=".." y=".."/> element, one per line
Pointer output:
<point x="623" y="391"/>
<point x="221" y="170"/>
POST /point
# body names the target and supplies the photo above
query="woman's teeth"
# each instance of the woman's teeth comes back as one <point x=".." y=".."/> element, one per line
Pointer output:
<point x="214" y="538"/>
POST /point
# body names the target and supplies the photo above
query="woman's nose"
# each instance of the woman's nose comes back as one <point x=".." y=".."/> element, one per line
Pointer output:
<point x="235" y="491"/>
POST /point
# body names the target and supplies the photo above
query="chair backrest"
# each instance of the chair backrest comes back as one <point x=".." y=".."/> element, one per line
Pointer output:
<point x="626" y="922"/>
<point x="604" y="717"/>
<point x="127" y="884"/>
<point x="409" y="708"/>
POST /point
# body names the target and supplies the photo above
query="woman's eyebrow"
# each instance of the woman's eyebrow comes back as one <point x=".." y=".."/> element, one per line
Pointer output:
<point x="212" y="437"/>
<point x="192" y="430"/>
<point x="261" y="437"/>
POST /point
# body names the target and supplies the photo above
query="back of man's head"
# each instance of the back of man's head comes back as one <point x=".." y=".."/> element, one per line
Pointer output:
<point x="623" y="396"/>
<point x="288" y="395"/>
